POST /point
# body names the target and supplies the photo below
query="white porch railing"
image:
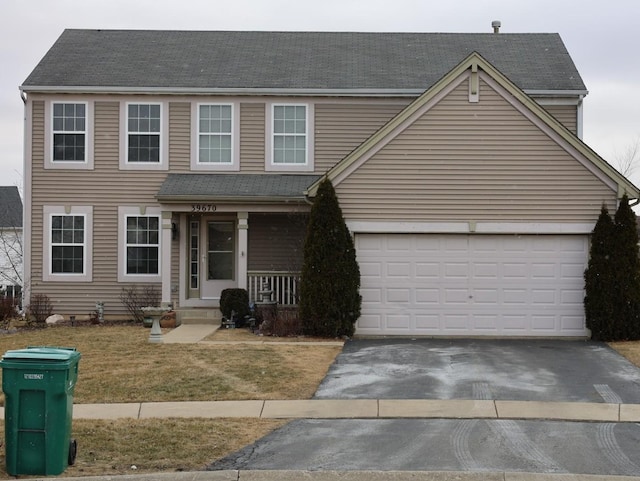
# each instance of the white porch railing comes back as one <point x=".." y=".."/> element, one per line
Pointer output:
<point x="284" y="286"/>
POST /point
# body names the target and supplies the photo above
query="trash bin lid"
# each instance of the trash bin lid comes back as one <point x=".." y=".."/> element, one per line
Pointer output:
<point x="61" y="354"/>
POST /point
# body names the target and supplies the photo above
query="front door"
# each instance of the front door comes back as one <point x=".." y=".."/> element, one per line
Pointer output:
<point x="215" y="241"/>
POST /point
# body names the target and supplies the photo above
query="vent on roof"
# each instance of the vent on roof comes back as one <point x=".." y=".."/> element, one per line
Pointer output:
<point x="496" y="24"/>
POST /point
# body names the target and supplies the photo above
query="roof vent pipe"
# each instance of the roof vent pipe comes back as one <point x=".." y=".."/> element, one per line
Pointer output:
<point x="496" y="24"/>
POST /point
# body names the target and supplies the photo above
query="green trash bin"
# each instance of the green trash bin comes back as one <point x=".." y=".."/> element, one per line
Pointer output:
<point x="38" y="383"/>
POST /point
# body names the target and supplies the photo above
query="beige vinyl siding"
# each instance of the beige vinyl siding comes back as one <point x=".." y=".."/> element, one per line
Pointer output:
<point x="37" y="159"/>
<point x="104" y="188"/>
<point x="473" y="162"/>
<point x="252" y="137"/>
<point x="567" y="115"/>
<point x="341" y="127"/>
<point x="276" y="242"/>
<point x="179" y="136"/>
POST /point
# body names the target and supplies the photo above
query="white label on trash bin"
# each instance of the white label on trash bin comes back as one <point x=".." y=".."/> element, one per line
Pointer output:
<point x="37" y="377"/>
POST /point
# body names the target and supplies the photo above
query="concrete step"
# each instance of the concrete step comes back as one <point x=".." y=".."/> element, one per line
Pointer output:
<point x="199" y="316"/>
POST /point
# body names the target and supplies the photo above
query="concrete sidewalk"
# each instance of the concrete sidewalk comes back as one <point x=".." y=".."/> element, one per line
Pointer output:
<point x="364" y="409"/>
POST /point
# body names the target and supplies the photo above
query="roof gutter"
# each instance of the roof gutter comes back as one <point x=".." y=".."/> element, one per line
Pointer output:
<point x="228" y="199"/>
<point x="289" y="92"/>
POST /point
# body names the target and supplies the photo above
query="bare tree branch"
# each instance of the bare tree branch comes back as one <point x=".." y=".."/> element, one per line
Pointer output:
<point x="626" y="160"/>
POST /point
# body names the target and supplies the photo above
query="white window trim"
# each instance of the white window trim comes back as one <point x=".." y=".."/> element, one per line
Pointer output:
<point x="124" y="136"/>
<point x="137" y="211"/>
<point x="234" y="166"/>
<point x="85" y="211"/>
<point x="87" y="164"/>
<point x="308" y="166"/>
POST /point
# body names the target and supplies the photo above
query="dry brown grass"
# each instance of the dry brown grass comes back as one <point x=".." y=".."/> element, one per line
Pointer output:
<point x="629" y="349"/>
<point x="118" y="364"/>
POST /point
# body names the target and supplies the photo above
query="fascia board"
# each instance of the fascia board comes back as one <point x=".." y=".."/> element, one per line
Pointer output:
<point x="223" y="91"/>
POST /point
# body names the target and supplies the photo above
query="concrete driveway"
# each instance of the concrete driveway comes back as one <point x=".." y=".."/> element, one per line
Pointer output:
<point x="463" y="369"/>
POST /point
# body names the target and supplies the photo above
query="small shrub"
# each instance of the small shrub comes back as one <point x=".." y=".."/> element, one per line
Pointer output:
<point x="39" y="309"/>
<point x="235" y="302"/>
<point x="7" y="309"/>
<point x="134" y="298"/>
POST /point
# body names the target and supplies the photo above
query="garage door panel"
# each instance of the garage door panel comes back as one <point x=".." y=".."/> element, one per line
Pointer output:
<point x="456" y="296"/>
<point x="397" y="296"/>
<point x="427" y="270"/>
<point x="456" y="270"/>
<point x="399" y="269"/>
<point x="486" y="296"/>
<point x="572" y="271"/>
<point x="543" y="271"/>
<point x="514" y="270"/>
<point x="485" y="270"/>
<point x="472" y="284"/>
<point x="515" y="296"/>
<point x="515" y="322"/>
<point x="427" y="322"/>
<point x="370" y="269"/>
<point x="456" y="322"/>
<point x="543" y="323"/>
<point x="543" y="297"/>
<point x="427" y="296"/>
<point x="371" y="295"/>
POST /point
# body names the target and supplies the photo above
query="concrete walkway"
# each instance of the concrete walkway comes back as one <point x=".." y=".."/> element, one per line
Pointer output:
<point x="189" y="333"/>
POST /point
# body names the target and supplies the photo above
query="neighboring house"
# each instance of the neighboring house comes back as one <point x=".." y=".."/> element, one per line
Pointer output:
<point x="188" y="160"/>
<point x="10" y="242"/>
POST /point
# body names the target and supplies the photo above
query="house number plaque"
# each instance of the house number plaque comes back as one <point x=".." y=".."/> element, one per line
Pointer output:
<point x="203" y="208"/>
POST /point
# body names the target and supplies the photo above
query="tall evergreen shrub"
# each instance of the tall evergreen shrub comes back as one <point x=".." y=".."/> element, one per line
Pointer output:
<point x="329" y="289"/>
<point x="627" y="271"/>
<point x="612" y="278"/>
<point x="599" y="306"/>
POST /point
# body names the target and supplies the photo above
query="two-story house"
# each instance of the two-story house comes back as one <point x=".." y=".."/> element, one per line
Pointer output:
<point x="189" y="160"/>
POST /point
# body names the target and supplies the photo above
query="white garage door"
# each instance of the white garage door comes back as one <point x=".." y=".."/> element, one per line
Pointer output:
<point x="472" y="285"/>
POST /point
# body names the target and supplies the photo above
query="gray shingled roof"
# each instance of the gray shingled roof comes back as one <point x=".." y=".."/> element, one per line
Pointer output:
<point x="10" y="207"/>
<point x="231" y="186"/>
<point x="295" y="60"/>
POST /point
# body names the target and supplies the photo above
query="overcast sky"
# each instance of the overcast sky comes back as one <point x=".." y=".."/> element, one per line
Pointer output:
<point x="602" y="37"/>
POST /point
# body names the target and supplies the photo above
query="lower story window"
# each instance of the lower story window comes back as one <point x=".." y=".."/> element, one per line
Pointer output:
<point x="143" y="244"/>
<point x="67" y="244"/>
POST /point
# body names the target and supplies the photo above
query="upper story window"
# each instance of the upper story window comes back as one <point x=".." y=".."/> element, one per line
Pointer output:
<point x="289" y="134"/>
<point x="215" y="136"/>
<point x="215" y="144"/>
<point x="143" y="133"/>
<point x="290" y="141"/>
<point x="69" y="132"/>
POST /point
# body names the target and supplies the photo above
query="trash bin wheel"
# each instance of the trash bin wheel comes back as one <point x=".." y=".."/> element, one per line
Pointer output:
<point x="73" y="451"/>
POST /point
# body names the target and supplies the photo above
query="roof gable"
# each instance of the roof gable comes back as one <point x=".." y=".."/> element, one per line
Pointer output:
<point x="322" y="61"/>
<point x="473" y="63"/>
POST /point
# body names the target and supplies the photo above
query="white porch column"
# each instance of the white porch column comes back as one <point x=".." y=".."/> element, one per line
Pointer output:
<point x="165" y="256"/>
<point x="243" y="227"/>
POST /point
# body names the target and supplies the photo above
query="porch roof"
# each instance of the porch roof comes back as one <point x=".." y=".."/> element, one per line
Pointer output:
<point x="234" y="187"/>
